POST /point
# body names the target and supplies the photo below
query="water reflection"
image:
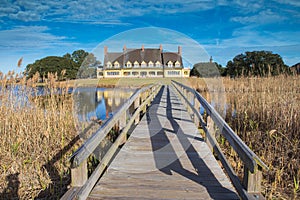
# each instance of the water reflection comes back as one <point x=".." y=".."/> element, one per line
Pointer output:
<point x="98" y="104"/>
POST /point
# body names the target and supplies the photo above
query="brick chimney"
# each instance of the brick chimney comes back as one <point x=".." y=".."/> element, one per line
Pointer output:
<point x="143" y="48"/>
<point x="160" y="47"/>
<point x="124" y="48"/>
<point x="105" y="50"/>
<point x="211" y="59"/>
<point x="179" y="50"/>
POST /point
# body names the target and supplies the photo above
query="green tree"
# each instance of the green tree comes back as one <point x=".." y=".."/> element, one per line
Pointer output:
<point x="78" y="56"/>
<point x="52" y="64"/>
<point x="257" y="63"/>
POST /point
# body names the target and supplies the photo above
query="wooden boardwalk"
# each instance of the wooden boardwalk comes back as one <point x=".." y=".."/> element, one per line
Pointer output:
<point x="164" y="158"/>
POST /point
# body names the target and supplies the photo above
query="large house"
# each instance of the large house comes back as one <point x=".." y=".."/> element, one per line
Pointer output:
<point x="143" y="62"/>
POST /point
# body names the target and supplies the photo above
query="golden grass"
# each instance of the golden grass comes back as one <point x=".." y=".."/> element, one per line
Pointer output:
<point x="36" y="140"/>
<point x="265" y="113"/>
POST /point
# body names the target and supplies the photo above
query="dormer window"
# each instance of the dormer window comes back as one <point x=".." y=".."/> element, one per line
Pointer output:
<point x="157" y="64"/>
<point x="177" y="64"/>
<point x="150" y="64"/>
<point x="136" y="64"/>
<point x="170" y="64"/>
<point x="116" y="64"/>
<point x="128" y="64"/>
<point x="108" y="65"/>
<point x="143" y="64"/>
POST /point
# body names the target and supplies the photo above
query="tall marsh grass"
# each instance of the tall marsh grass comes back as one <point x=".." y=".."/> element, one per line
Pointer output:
<point x="37" y="135"/>
<point x="265" y="113"/>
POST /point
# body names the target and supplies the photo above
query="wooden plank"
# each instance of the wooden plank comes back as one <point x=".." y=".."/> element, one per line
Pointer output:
<point x="87" y="187"/>
<point x="164" y="158"/>
<point x="90" y="145"/>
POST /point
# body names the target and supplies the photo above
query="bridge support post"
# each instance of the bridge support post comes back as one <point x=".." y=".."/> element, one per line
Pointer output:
<point x="143" y="98"/>
<point x="211" y="129"/>
<point x="252" y="181"/>
<point x="79" y="175"/>
<point x="122" y="125"/>
<point x="136" y="106"/>
<point x="197" y="107"/>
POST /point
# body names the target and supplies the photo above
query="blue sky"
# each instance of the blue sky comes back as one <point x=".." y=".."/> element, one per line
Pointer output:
<point x="36" y="29"/>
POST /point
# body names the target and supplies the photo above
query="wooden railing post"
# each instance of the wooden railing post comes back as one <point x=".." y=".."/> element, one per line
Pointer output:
<point x="79" y="175"/>
<point x="122" y="125"/>
<point x="197" y="107"/>
<point x="143" y="98"/>
<point x="211" y="129"/>
<point x="136" y="105"/>
<point x="252" y="181"/>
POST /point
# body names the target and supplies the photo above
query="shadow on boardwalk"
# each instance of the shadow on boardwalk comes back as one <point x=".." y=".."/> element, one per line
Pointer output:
<point x="161" y="146"/>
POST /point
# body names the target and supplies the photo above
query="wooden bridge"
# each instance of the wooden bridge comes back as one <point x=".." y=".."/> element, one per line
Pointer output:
<point x="160" y="154"/>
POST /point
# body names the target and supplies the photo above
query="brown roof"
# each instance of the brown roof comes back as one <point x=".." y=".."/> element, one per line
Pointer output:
<point x="171" y="56"/>
<point x="113" y="57"/>
<point x="140" y="55"/>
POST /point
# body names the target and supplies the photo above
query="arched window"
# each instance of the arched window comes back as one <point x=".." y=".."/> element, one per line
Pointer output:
<point x="170" y="64"/>
<point x="157" y="64"/>
<point x="128" y="64"/>
<point x="177" y="64"/>
<point x="143" y="64"/>
<point x="116" y="64"/>
<point x="150" y="64"/>
<point x="136" y="64"/>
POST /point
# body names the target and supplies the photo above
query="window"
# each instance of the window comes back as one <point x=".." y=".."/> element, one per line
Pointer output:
<point x="113" y="73"/>
<point x="157" y="64"/>
<point x="174" y="73"/>
<point x="144" y="64"/>
<point x="108" y="65"/>
<point x="177" y="64"/>
<point x="116" y="64"/>
<point x="135" y="73"/>
<point x="152" y="73"/>
<point x="128" y="64"/>
<point x="136" y="64"/>
<point x="160" y="73"/>
<point x="143" y="73"/>
<point x="126" y="73"/>
<point x="185" y="73"/>
<point x="150" y="64"/>
<point x="170" y="64"/>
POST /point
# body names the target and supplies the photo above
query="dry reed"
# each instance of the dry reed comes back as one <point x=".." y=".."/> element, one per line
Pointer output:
<point x="37" y="135"/>
<point x="265" y="112"/>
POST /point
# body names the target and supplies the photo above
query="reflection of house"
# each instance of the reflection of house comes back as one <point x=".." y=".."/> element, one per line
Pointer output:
<point x="143" y="62"/>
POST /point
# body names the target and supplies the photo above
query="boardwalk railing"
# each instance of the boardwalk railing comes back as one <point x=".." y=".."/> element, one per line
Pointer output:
<point x="250" y="187"/>
<point x="81" y="184"/>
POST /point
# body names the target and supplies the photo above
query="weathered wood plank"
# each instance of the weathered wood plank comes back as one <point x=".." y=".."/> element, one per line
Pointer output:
<point x="164" y="158"/>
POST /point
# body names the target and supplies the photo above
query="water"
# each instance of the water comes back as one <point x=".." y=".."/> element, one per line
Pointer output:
<point x="90" y="103"/>
<point x="98" y="103"/>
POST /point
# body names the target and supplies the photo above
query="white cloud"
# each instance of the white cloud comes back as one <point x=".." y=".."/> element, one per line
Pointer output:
<point x="289" y="2"/>
<point x="29" y="37"/>
<point x="87" y="10"/>
<point x="25" y="16"/>
<point x="263" y="17"/>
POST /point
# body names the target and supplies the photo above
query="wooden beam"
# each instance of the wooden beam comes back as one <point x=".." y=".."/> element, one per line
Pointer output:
<point x="79" y="175"/>
<point x="252" y="181"/>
